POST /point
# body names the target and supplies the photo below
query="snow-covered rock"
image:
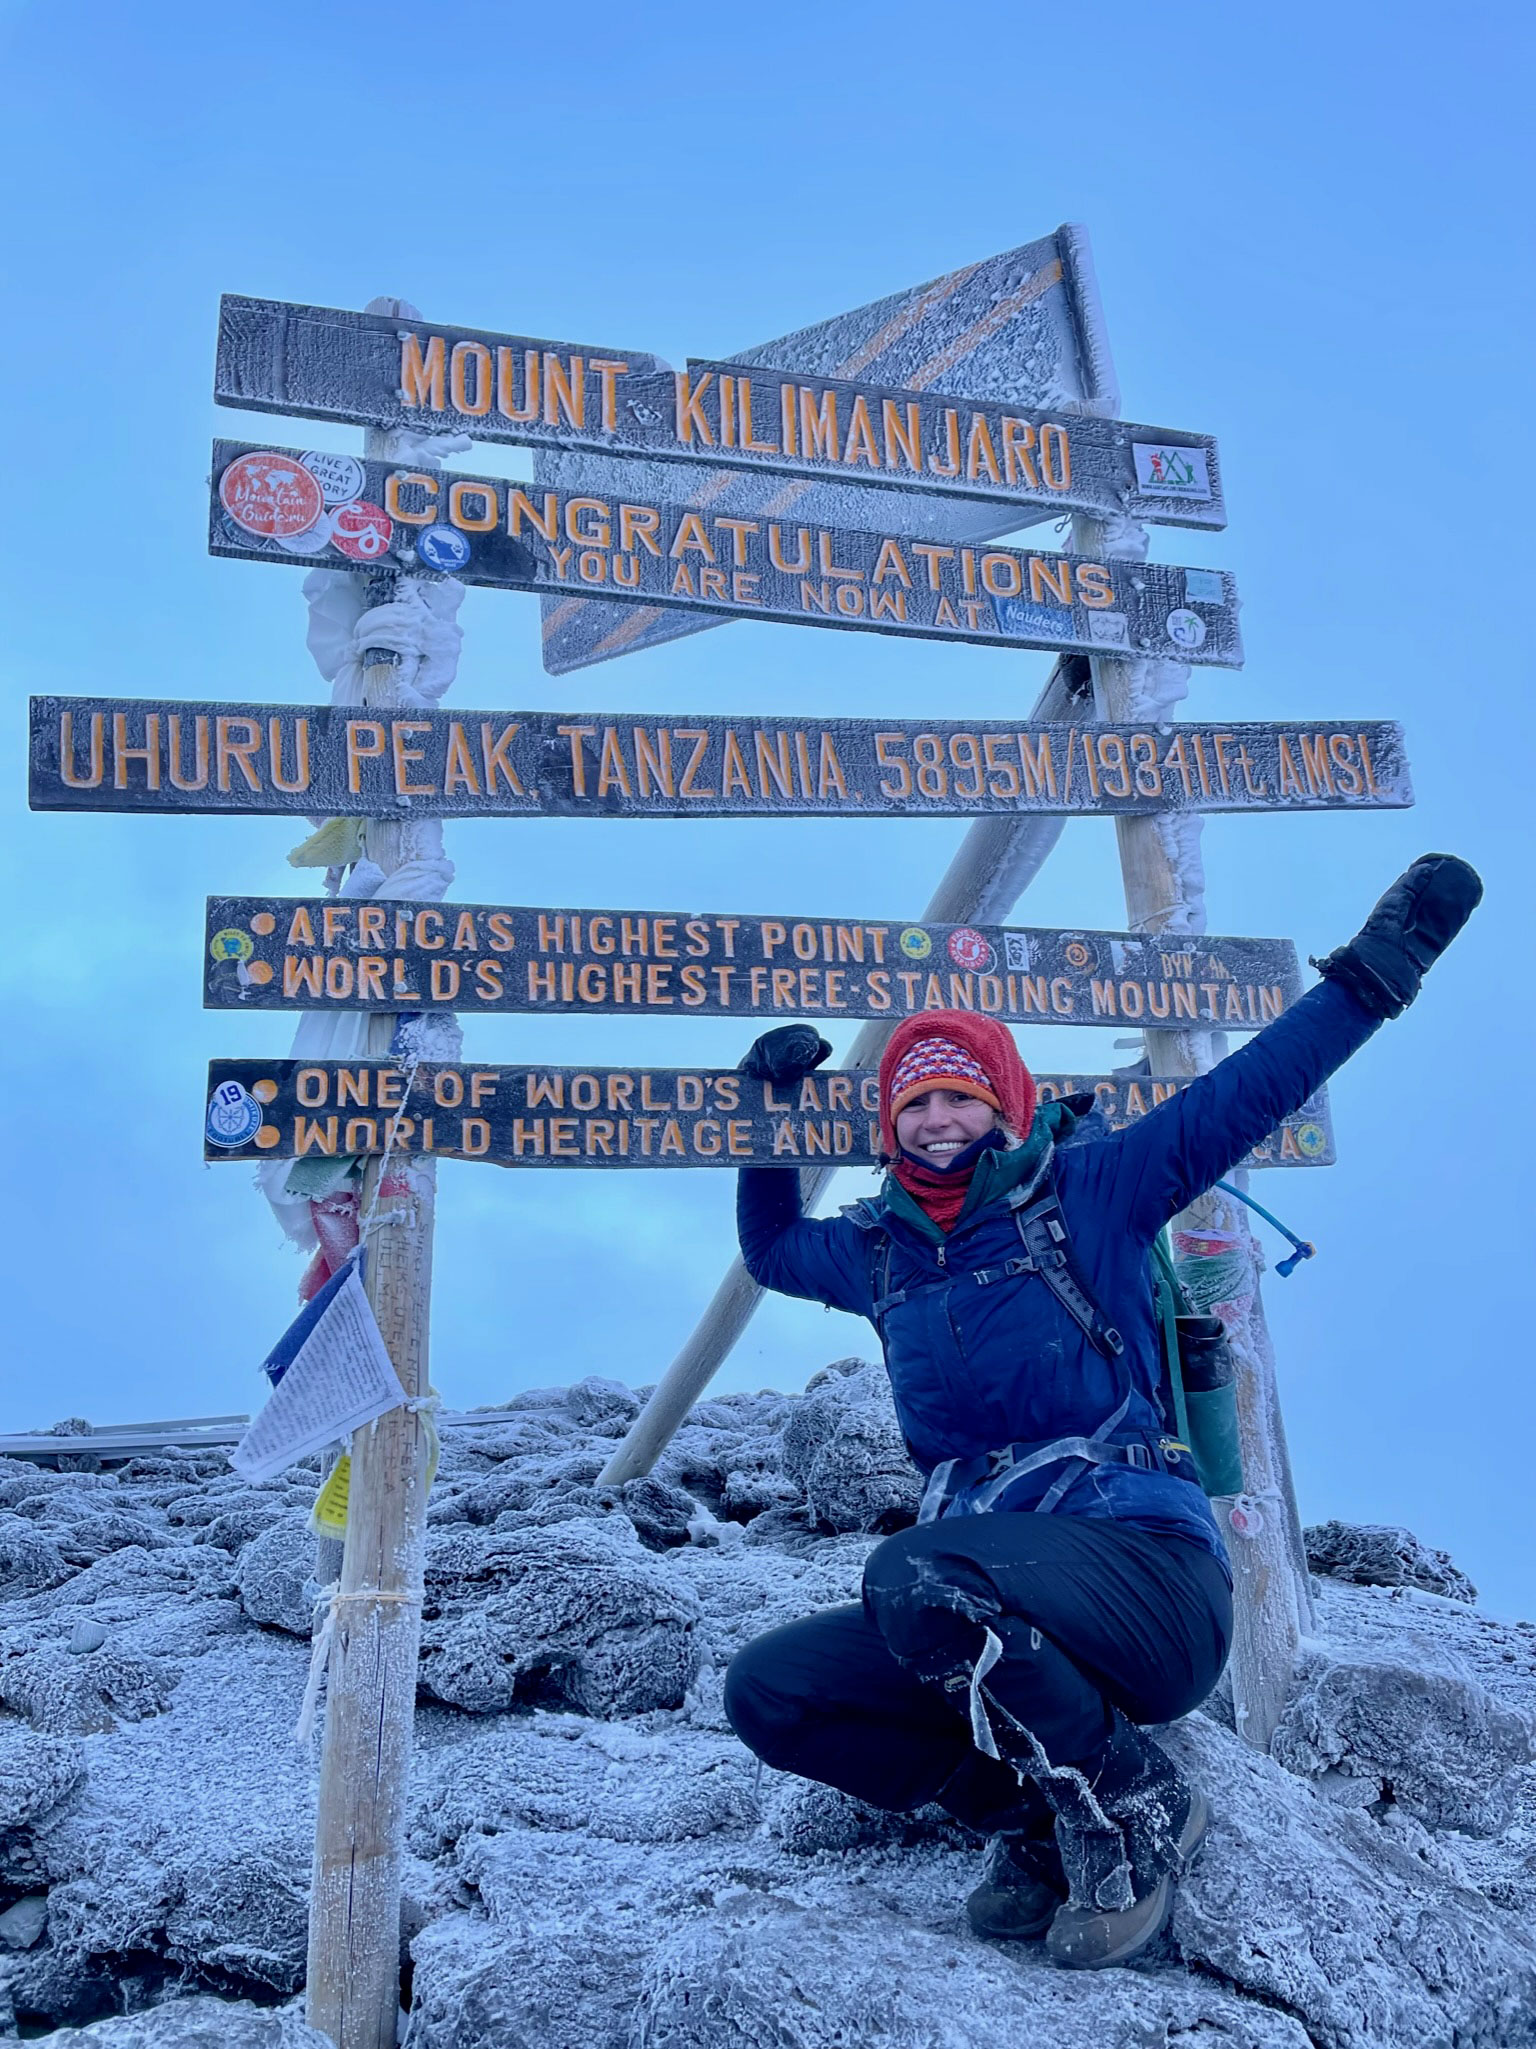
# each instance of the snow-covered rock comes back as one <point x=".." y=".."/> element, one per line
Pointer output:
<point x="75" y="1692"/>
<point x="594" y="1862"/>
<point x="274" y="1572"/>
<point x="1436" y="1743"/>
<point x="1383" y="1555"/>
<point x="194" y="2024"/>
<point x="844" y="1448"/>
<point x="578" y="1611"/>
<point x="777" y="1973"/>
<point x="36" y="1773"/>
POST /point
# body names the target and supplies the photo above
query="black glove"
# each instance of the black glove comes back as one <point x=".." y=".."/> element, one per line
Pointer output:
<point x="1406" y="933"/>
<point x="787" y="1053"/>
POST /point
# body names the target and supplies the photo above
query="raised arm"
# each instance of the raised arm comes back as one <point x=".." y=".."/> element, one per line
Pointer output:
<point x="819" y="1259"/>
<point x="1191" y="1140"/>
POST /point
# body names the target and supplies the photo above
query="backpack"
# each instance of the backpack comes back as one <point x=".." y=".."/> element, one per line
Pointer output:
<point x="1199" y="1372"/>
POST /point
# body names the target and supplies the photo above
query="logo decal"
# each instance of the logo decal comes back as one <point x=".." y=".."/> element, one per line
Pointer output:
<point x="270" y="495"/>
<point x="362" y="531"/>
<point x="234" y="1117"/>
<point x="967" y="949"/>
<point x="1163" y="472"/>
<point x="1185" y="628"/>
<point x="443" y="548"/>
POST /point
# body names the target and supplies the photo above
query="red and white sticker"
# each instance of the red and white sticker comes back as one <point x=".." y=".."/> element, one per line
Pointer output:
<point x="270" y="495"/>
<point x="967" y="949"/>
<point x="362" y="531"/>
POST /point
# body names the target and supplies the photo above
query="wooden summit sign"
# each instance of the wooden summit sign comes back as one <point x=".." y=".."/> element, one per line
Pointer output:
<point x="323" y="364"/>
<point x="307" y="953"/>
<point x="518" y="1116"/>
<point x="130" y="754"/>
<point x="272" y="505"/>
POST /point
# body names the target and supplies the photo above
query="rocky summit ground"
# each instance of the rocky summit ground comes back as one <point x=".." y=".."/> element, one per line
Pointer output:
<point x="596" y="1863"/>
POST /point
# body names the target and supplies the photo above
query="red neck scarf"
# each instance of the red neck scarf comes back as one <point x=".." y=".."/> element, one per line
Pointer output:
<point x="940" y="1193"/>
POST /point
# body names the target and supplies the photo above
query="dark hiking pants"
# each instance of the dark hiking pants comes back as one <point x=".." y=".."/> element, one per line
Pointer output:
<point x="1092" y="1616"/>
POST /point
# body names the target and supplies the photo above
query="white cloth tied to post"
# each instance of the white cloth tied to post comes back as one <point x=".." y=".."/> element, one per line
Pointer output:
<point x="418" y="624"/>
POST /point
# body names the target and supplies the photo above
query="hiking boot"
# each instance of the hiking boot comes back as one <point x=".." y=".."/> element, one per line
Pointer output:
<point x="1091" y="1938"/>
<point x="1022" y="1888"/>
<point x="1125" y="1841"/>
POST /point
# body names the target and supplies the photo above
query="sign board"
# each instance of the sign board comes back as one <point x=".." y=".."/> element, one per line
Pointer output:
<point x="1020" y="329"/>
<point x="308" y="953"/>
<point x="375" y="371"/>
<point x="131" y="754"/>
<point x="268" y="505"/>
<point x="517" y="1116"/>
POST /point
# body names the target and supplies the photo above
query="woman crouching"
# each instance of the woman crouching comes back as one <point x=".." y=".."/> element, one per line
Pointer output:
<point x="1066" y="1581"/>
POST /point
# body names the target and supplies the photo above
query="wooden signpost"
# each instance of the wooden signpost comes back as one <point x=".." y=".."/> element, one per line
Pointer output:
<point x="282" y="953"/>
<point x="320" y="363"/>
<point x="131" y="754"/>
<point x="268" y="505"/>
<point x="521" y="1116"/>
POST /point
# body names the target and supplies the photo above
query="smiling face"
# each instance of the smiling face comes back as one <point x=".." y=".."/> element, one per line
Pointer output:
<point x="936" y="1126"/>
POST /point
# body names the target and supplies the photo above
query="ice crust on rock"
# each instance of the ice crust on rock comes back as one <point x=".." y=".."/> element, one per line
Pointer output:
<point x="1383" y="1555"/>
<point x="70" y="1692"/>
<point x="594" y="1861"/>
<point x="577" y="1611"/>
<point x="843" y="1448"/>
<point x="1436" y="1743"/>
<point x="194" y="2024"/>
<point x="274" y="1572"/>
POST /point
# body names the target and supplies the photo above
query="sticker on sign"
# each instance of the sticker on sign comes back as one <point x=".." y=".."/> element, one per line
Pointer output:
<point x="1163" y="471"/>
<point x="270" y="495"/>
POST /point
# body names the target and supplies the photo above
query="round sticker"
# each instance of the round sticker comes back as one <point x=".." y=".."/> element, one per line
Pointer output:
<point x="362" y="531"/>
<point x="967" y="949"/>
<point x="340" y="477"/>
<point x="312" y="540"/>
<point x="234" y="1118"/>
<point x="1311" y="1139"/>
<point x="231" y="945"/>
<point x="915" y="943"/>
<point x="1186" y="628"/>
<point x="270" y="495"/>
<point x="443" y="547"/>
<point x="1078" y="955"/>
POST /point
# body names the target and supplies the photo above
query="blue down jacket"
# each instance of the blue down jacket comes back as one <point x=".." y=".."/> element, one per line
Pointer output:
<point x="974" y="1368"/>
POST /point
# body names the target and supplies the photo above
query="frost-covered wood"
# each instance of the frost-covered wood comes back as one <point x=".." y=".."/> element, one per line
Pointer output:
<point x="353" y="1971"/>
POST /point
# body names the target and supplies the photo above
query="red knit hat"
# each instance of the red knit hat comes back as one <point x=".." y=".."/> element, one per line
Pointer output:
<point x="954" y="1049"/>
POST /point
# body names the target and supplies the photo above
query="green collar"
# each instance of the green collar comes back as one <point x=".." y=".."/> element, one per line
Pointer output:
<point x="997" y="1174"/>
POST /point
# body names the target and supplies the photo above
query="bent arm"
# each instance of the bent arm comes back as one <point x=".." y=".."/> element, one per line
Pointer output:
<point x="1190" y="1141"/>
<point x="818" y="1259"/>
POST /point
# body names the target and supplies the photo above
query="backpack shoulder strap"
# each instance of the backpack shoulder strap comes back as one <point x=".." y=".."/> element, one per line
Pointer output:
<point x="1049" y="1253"/>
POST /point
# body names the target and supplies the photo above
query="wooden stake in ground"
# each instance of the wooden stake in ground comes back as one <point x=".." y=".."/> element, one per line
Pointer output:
<point x="353" y="1977"/>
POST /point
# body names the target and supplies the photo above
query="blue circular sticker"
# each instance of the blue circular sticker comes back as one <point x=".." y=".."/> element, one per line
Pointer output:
<point x="443" y="547"/>
<point x="234" y="1115"/>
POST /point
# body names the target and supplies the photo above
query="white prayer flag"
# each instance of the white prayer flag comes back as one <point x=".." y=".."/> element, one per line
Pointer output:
<point x="340" y="1378"/>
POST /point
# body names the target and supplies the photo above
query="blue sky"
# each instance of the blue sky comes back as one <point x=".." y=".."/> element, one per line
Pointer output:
<point x="1311" y="241"/>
